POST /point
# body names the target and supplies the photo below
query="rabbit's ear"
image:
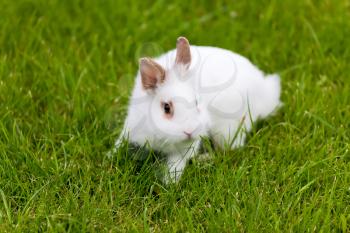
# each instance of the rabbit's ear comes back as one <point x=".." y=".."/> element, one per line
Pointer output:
<point x="151" y="73"/>
<point x="183" y="52"/>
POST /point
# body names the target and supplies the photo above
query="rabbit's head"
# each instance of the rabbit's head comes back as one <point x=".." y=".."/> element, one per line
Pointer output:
<point x="175" y="110"/>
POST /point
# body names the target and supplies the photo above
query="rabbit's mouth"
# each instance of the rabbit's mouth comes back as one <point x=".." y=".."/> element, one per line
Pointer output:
<point x="188" y="135"/>
<point x="191" y="135"/>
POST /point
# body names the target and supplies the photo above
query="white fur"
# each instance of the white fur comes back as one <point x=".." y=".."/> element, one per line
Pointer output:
<point x="230" y="92"/>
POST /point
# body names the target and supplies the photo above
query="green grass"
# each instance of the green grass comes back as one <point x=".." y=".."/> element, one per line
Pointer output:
<point x="66" y="71"/>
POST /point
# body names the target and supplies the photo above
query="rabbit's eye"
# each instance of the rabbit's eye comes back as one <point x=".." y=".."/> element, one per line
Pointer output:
<point x="168" y="109"/>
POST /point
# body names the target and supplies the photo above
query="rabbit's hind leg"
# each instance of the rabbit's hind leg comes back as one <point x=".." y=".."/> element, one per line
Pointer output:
<point x="228" y="135"/>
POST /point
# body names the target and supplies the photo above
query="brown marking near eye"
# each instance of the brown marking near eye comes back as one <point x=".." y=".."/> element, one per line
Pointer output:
<point x="151" y="73"/>
<point x="171" y="108"/>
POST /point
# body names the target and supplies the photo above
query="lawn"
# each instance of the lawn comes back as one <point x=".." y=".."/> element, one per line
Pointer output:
<point x="66" y="72"/>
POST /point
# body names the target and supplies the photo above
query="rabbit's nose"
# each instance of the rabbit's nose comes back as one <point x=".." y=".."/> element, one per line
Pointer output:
<point x="189" y="135"/>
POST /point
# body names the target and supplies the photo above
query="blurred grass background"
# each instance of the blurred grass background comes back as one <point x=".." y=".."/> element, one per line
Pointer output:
<point x="67" y="68"/>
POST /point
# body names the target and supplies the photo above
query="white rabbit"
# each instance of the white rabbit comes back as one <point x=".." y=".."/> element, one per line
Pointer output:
<point x="196" y="91"/>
